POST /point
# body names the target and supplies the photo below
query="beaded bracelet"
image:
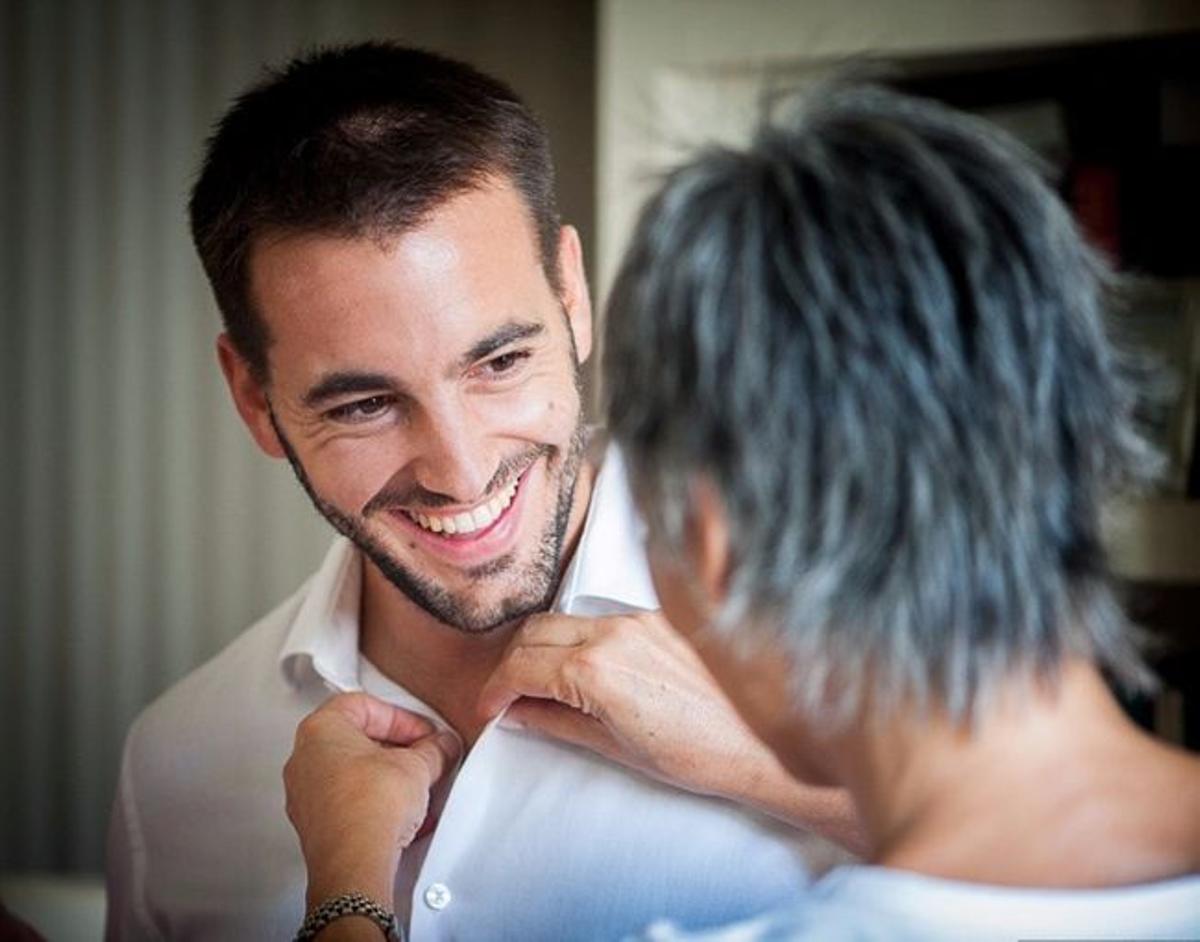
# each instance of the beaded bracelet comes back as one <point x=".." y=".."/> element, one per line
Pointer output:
<point x="348" y="904"/>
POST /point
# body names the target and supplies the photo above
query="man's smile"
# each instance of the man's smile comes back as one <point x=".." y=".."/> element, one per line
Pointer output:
<point x="469" y="535"/>
<point x="466" y="522"/>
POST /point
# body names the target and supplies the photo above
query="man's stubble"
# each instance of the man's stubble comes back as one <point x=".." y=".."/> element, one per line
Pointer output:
<point x="535" y="586"/>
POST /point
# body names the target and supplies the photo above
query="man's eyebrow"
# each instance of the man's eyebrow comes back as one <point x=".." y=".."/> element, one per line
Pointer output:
<point x="502" y="336"/>
<point x="344" y="383"/>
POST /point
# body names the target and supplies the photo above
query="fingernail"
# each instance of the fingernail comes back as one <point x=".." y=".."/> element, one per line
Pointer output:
<point x="508" y="721"/>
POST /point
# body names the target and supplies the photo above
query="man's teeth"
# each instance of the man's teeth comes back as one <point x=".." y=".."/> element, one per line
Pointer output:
<point x="482" y="516"/>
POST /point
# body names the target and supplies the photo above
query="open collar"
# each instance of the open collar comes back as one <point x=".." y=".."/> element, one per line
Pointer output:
<point x="608" y="574"/>
<point x="323" y="637"/>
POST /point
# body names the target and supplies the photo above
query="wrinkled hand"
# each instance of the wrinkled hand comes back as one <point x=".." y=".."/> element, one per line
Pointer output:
<point x="630" y="688"/>
<point x="358" y="784"/>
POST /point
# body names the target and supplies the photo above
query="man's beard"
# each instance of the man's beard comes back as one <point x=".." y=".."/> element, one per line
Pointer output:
<point x="534" y="588"/>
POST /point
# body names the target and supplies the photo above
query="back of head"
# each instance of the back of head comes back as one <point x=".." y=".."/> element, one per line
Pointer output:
<point x="878" y="332"/>
<point x="358" y="141"/>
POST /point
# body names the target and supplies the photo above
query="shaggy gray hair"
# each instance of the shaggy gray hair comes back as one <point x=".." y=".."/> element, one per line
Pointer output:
<point x="879" y="334"/>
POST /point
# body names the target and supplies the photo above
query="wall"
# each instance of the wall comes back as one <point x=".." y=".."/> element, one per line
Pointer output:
<point x="142" y="529"/>
<point x="652" y="53"/>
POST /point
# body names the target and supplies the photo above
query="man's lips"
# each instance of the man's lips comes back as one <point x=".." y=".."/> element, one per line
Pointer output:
<point x="481" y="543"/>
<point x="468" y="522"/>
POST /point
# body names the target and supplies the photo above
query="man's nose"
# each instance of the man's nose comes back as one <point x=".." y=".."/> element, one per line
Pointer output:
<point x="453" y="457"/>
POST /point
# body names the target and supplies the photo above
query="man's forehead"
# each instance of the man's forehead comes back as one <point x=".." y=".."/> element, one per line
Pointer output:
<point x="472" y="268"/>
<point x="488" y="223"/>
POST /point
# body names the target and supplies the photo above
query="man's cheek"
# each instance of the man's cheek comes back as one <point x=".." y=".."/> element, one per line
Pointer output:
<point x="549" y="416"/>
<point x="354" y="478"/>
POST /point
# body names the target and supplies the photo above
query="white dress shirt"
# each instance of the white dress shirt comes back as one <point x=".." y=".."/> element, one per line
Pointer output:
<point x="536" y="839"/>
<point x="879" y="904"/>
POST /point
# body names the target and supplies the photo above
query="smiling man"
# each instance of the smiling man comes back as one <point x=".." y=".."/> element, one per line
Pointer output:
<point x="430" y="406"/>
<point x="405" y="319"/>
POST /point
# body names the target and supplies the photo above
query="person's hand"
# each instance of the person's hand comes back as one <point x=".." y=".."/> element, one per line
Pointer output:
<point x="358" y="784"/>
<point x="632" y="689"/>
<point x="626" y="686"/>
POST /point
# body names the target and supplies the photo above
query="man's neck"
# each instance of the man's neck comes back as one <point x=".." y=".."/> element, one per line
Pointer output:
<point x="971" y="807"/>
<point x="441" y="665"/>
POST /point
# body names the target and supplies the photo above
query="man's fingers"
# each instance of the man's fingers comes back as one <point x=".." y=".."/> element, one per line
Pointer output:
<point x="563" y="723"/>
<point x="537" y="671"/>
<point x="379" y="720"/>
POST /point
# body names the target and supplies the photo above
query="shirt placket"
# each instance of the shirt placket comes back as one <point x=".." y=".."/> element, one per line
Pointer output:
<point x="439" y="910"/>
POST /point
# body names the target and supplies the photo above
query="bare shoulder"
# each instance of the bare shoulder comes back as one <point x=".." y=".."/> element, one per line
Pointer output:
<point x="1168" y="798"/>
<point x="1182" y="780"/>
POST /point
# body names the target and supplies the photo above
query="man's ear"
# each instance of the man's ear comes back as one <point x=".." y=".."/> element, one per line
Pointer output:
<point x="248" y="396"/>
<point x="708" y="542"/>
<point x="576" y="301"/>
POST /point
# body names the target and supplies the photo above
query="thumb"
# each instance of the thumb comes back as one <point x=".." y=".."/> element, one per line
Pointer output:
<point x="438" y="752"/>
<point x="376" y="718"/>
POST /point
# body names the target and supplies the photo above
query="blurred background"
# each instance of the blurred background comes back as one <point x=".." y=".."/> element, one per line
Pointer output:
<point x="144" y="530"/>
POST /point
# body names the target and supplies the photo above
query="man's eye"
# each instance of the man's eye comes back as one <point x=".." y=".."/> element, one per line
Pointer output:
<point x="505" y="363"/>
<point x="361" y="410"/>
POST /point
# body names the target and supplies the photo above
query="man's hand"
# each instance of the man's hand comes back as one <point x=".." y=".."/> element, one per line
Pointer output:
<point x="632" y="689"/>
<point x="358" y="784"/>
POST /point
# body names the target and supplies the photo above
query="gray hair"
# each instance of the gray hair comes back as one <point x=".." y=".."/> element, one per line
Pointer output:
<point x="878" y="333"/>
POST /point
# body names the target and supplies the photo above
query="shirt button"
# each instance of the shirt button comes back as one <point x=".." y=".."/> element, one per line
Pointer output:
<point x="437" y="896"/>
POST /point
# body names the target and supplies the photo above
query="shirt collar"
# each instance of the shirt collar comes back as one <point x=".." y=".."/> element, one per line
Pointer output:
<point x="609" y="569"/>
<point x="324" y="632"/>
<point x="609" y="573"/>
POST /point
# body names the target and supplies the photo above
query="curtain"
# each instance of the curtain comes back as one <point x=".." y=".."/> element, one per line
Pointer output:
<point x="143" y="530"/>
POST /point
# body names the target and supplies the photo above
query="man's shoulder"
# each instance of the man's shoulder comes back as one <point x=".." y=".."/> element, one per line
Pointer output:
<point x="224" y="709"/>
<point x="199" y="830"/>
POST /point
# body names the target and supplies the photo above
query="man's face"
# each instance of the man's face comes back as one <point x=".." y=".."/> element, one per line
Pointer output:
<point x="425" y="390"/>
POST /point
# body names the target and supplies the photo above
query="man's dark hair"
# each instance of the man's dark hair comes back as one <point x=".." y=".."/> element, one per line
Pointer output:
<point x="358" y="141"/>
<point x="879" y="334"/>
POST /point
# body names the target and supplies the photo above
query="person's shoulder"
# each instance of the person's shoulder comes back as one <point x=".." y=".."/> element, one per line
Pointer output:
<point x="911" y="905"/>
<point x="1172" y="804"/>
<point x="220" y="704"/>
<point x="199" y="799"/>
<point x="808" y="919"/>
<point x="875" y="904"/>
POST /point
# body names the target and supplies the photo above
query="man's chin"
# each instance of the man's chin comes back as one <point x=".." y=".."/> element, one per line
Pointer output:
<point x="470" y="618"/>
<point x="481" y="598"/>
<point x="493" y="567"/>
<point x="463" y="610"/>
<point x="534" y="582"/>
<point x="488" y="622"/>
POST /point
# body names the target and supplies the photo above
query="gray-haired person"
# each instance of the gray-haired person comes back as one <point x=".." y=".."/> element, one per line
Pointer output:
<point x="861" y="376"/>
